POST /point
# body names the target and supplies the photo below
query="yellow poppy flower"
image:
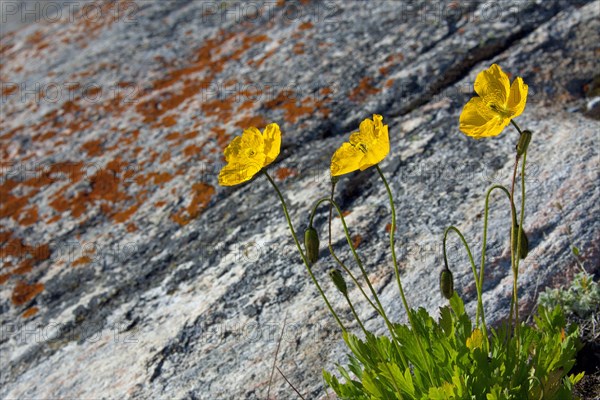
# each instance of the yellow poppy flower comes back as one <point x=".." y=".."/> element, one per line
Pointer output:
<point x="246" y="155"/>
<point x="366" y="148"/>
<point x="498" y="103"/>
<point x="475" y="341"/>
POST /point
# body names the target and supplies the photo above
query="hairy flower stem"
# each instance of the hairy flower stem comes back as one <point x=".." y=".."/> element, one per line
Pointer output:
<point x="515" y="256"/>
<point x="306" y="263"/>
<point x="355" y="315"/>
<point x="485" y="229"/>
<point x="478" y="281"/>
<point x="401" y="290"/>
<point x="379" y="308"/>
<point x="333" y="204"/>
<point x="518" y="256"/>
<point x="512" y="236"/>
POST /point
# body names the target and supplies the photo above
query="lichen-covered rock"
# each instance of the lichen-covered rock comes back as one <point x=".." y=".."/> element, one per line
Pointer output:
<point x="128" y="273"/>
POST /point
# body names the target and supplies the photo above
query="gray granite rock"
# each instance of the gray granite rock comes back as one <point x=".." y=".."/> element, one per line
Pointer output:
<point x="129" y="273"/>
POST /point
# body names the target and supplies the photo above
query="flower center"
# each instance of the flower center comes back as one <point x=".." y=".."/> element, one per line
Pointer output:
<point x="502" y="111"/>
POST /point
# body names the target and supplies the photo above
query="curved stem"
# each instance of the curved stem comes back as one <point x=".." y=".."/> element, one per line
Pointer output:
<point x="512" y="234"/>
<point x="306" y="263"/>
<point x="379" y="308"/>
<point x="513" y="255"/>
<point x="355" y="314"/>
<point x="516" y="126"/>
<point x="485" y="226"/>
<point x="397" y="272"/>
<point x="518" y="256"/>
<point x="477" y="282"/>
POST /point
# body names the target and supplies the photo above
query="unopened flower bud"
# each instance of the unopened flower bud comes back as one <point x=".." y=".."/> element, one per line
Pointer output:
<point x="446" y="283"/>
<point x="524" y="140"/>
<point x="524" y="248"/>
<point x="338" y="281"/>
<point x="311" y="243"/>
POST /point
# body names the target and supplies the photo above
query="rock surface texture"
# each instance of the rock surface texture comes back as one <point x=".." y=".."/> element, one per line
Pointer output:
<point x="127" y="272"/>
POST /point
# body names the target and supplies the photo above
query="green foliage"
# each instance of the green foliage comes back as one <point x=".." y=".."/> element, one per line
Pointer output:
<point x="535" y="368"/>
<point x="581" y="298"/>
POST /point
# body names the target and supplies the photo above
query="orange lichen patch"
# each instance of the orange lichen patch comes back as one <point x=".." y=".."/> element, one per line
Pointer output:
<point x="160" y="203"/>
<point x="189" y="135"/>
<point x="91" y="92"/>
<point x="105" y="183"/>
<point x="168" y="121"/>
<point x="53" y="219"/>
<point x="356" y="240"/>
<point x="293" y="109"/>
<point x="30" y="312"/>
<point x="89" y="21"/>
<point x="192" y="150"/>
<point x="298" y="48"/>
<point x="261" y="60"/>
<point x="81" y="261"/>
<point x="25" y="255"/>
<point x="253" y="120"/>
<point x="4" y="278"/>
<point x="44" y="136"/>
<point x="284" y="172"/>
<point x="172" y="136"/>
<point x="132" y="137"/>
<point x="388" y="227"/>
<point x="326" y="91"/>
<point x="7" y="90"/>
<point x="93" y="148"/>
<point x="157" y="178"/>
<point x="364" y="89"/>
<point x="35" y="38"/>
<point x="24" y="267"/>
<point x="222" y="137"/>
<point x="104" y="189"/>
<point x="73" y="171"/>
<point x="389" y="83"/>
<point x="218" y="107"/>
<point x="23" y="292"/>
<point x="123" y="216"/>
<point x="154" y="107"/>
<point x="160" y="178"/>
<point x="305" y="25"/>
<point x="344" y="213"/>
<point x="10" y="134"/>
<point x="210" y="61"/>
<point x="165" y="157"/>
<point x="12" y="205"/>
<point x="202" y="193"/>
<point x="248" y="104"/>
<point x="30" y="216"/>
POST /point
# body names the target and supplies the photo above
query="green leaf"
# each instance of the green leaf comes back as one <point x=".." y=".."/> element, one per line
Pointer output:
<point x="576" y="378"/>
<point x="372" y="386"/>
<point x="457" y="305"/>
<point x="403" y="381"/>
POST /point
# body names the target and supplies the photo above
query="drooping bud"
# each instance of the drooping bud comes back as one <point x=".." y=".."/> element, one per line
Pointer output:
<point x="338" y="281"/>
<point x="524" y="140"/>
<point x="524" y="248"/>
<point x="446" y="283"/>
<point x="311" y="243"/>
